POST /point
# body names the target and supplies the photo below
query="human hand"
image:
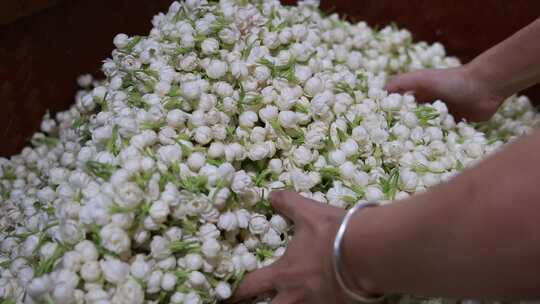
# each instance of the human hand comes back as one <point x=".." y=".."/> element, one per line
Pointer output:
<point x="466" y="95"/>
<point x="304" y="273"/>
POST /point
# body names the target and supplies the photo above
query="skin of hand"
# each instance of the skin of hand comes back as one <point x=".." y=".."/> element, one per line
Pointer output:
<point x="467" y="96"/>
<point x="475" y="91"/>
<point x="304" y="274"/>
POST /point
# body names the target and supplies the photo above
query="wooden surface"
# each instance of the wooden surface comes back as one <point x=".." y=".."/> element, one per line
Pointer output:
<point x="41" y="55"/>
<point x="11" y="10"/>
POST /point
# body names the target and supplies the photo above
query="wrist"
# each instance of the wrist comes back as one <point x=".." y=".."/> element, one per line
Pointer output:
<point x="358" y="272"/>
<point x="486" y="81"/>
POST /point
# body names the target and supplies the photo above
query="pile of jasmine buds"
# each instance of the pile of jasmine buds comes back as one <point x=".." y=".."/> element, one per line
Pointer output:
<point x="153" y="186"/>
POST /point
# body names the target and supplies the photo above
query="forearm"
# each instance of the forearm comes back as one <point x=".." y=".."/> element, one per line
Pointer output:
<point x="478" y="236"/>
<point x="513" y="64"/>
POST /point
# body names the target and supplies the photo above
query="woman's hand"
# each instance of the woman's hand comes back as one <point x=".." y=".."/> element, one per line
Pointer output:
<point x="304" y="273"/>
<point x="466" y="95"/>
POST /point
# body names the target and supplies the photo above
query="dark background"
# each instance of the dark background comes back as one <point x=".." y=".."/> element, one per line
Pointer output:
<point x="46" y="44"/>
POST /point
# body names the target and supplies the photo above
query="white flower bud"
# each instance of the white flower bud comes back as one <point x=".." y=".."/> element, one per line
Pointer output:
<point x="268" y="113"/>
<point x="139" y="268"/>
<point x="114" y="271"/>
<point x="349" y="147"/>
<point x="197" y="279"/>
<point x="191" y="90"/>
<point x="39" y="286"/>
<point x="248" y="119"/>
<point x="194" y="261"/>
<point x="373" y="193"/>
<point x="360" y="134"/>
<point x="88" y="250"/>
<point x="258" y="224"/>
<point x="216" y="150"/>
<point x="209" y="46"/>
<point x="303" y="156"/>
<point x="262" y="73"/>
<point x="241" y="182"/>
<point x="223" y="290"/>
<point x="195" y="161"/>
<point x="288" y="119"/>
<point x="216" y="69"/>
<point x="258" y="135"/>
<point x="258" y="151"/>
<point x="176" y="118"/>
<point x="168" y="281"/>
<point x="279" y="223"/>
<point x="272" y="239"/>
<point x="159" y="211"/>
<point x="159" y="248"/>
<point x="313" y="86"/>
<point x="153" y="284"/>
<point x="121" y="40"/>
<point x="90" y="271"/>
<point x="227" y="221"/>
<point x="249" y="261"/>
<point x="337" y="157"/>
<point x="63" y="294"/>
<point x="275" y="165"/>
<point x="203" y="135"/>
<point x="211" y="248"/>
<point x="391" y="103"/>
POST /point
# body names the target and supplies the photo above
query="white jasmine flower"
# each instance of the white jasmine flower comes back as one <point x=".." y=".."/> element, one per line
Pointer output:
<point x="216" y="69"/>
<point x="211" y="248"/>
<point x="258" y="224"/>
<point x="240" y="182"/>
<point x="223" y="290"/>
<point x="337" y="157"/>
<point x="288" y="119"/>
<point x="129" y="292"/>
<point x="209" y="46"/>
<point x="279" y="223"/>
<point x="114" y="271"/>
<point x="227" y="221"/>
<point x="373" y="193"/>
<point x="90" y="271"/>
<point x="203" y="135"/>
<point x="272" y="239"/>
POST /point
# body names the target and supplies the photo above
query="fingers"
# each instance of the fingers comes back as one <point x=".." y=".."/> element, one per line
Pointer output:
<point x="288" y="203"/>
<point x="285" y="298"/>
<point x="402" y="83"/>
<point x="255" y="283"/>
<point x="282" y="298"/>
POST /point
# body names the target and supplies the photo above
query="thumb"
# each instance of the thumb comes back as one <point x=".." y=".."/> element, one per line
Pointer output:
<point x="255" y="283"/>
<point x="288" y="203"/>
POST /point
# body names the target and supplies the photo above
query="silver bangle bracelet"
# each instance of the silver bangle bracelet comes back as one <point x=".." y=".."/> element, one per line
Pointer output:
<point x="337" y="261"/>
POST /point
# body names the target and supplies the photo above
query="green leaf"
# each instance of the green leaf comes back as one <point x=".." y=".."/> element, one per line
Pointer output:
<point x="184" y="247"/>
<point x="49" y="141"/>
<point x="390" y="184"/>
<point x="155" y="126"/>
<point x="425" y="114"/>
<point x="135" y="100"/>
<point x="8" y="301"/>
<point x="46" y="265"/>
<point x="101" y="170"/>
<point x="9" y="174"/>
<point x="132" y="43"/>
<point x="264" y="253"/>
<point x="195" y="184"/>
<point x="112" y="145"/>
<point x="343" y="87"/>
